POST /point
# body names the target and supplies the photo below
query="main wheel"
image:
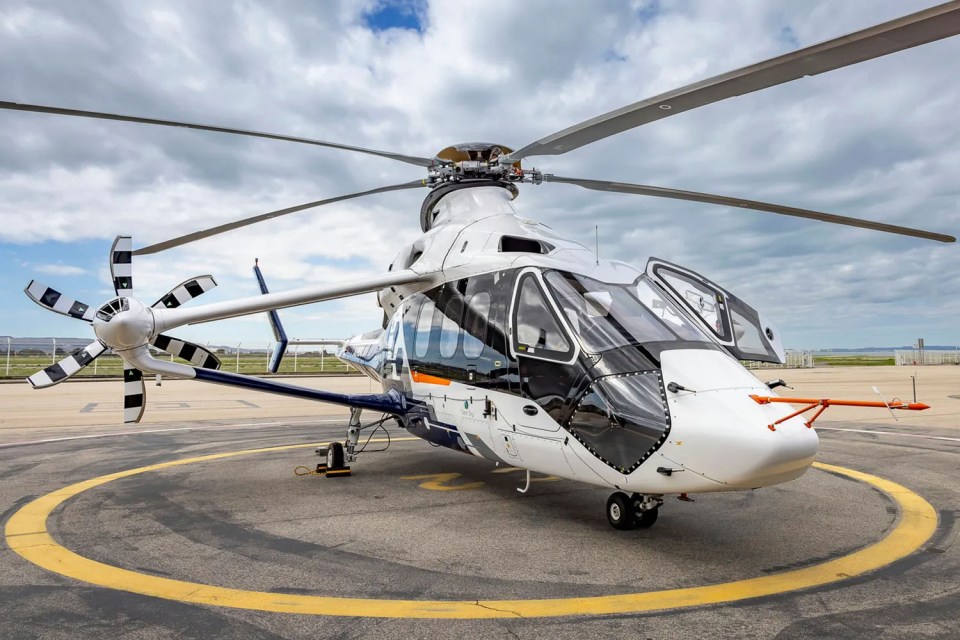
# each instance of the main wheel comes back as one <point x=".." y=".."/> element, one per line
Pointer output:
<point x="645" y="519"/>
<point x="335" y="456"/>
<point x="620" y="513"/>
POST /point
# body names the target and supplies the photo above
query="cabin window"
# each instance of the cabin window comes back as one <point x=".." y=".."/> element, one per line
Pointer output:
<point x="475" y="333"/>
<point x="450" y="328"/>
<point x="392" y="329"/>
<point x="424" y="325"/>
<point x="536" y="329"/>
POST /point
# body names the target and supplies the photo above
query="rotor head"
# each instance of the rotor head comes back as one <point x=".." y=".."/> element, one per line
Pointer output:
<point x="475" y="161"/>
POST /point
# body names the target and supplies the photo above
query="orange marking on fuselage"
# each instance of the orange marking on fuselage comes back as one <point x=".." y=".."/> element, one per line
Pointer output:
<point x="428" y="379"/>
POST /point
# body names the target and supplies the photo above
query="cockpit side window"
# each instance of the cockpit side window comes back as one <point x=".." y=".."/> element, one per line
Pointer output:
<point x="536" y="329"/>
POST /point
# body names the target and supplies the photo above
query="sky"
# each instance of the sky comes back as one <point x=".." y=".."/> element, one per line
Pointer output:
<point x="879" y="140"/>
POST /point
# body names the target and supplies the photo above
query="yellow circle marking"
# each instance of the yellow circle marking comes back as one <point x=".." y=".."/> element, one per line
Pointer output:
<point x="26" y="534"/>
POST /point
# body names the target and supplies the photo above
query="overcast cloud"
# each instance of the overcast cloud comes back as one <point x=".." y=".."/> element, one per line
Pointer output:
<point x="878" y="141"/>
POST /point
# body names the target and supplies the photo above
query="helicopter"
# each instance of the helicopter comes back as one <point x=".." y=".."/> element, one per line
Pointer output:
<point x="503" y="340"/>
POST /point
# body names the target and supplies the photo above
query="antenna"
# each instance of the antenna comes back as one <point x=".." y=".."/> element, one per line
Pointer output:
<point x="596" y="234"/>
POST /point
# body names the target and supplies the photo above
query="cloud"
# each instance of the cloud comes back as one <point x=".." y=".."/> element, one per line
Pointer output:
<point x="57" y="269"/>
<point x="877" y="140"/>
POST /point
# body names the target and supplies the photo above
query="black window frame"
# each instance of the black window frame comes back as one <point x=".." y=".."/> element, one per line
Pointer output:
<point x="540" y="354"/>
<point x="719" y="299"/>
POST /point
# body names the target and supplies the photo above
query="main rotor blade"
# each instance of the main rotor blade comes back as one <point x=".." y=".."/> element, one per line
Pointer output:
<point x="37" y="108"/>
<point x="198" y="235"/>
<point x="909" y="31"/>
<point x="661" y="192"/>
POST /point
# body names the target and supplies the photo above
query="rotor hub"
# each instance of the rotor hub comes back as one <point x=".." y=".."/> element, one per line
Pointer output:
<point x="478" y="161"/>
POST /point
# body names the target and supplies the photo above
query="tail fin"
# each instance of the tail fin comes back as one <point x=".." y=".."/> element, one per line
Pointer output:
<point x="280" y="347"/>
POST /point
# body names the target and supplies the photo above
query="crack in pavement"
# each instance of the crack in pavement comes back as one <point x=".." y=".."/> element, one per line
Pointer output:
<point x="483" y="606"/>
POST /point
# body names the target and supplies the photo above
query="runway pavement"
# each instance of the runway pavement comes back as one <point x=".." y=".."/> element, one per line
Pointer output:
<point x="416" y="523"/>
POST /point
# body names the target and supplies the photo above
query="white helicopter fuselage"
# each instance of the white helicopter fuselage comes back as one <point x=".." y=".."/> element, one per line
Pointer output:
<point x="710" y="435"/>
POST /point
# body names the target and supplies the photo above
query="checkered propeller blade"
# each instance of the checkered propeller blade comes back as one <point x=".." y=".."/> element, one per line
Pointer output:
<point x="57" y="302"/>
<point x="67" y="367"/>
<point x="194" y="353"/>
<point x="121" y="265"/>
<point x="185" y="292"/>
<point x="134" y="394"/>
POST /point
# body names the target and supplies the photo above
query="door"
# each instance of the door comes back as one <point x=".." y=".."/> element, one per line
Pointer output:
<point x="742" y="330"/>
<point x="546" y="352"/>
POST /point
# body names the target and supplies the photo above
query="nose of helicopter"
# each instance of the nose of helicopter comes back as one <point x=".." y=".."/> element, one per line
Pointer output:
<point x="720" y="433"/>
<point x="739" y="449"/>
<point x="767" y="458"/>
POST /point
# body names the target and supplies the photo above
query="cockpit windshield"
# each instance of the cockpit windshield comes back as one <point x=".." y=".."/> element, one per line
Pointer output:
<point x="607" y="316"/>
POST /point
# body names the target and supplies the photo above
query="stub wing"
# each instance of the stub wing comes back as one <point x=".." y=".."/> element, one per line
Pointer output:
<point x="140" y="358"/>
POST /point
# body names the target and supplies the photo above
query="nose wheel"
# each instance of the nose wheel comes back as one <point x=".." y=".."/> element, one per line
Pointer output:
<point x="632" y="512"/>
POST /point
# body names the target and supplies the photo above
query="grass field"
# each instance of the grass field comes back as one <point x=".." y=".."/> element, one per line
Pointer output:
<point x="111" y="365"/>
<point x="310" y="364"/>
<point x="854" y="361"/>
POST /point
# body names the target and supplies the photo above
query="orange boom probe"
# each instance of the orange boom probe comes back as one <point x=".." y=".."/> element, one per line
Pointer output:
<point x="823" y="403"/>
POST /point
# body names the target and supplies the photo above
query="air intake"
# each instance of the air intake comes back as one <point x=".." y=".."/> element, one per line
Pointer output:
<point x="513" y="244"/>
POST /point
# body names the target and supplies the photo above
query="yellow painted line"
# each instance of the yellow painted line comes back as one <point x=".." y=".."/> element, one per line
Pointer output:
<point x="27" y="535"/>
<point x="438" y="482"/>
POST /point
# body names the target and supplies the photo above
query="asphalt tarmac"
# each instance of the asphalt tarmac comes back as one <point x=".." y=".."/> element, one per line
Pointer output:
<point x="417" y="523"/>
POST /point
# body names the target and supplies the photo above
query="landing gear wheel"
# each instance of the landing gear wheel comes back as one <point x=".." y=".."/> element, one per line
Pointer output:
<point x="620" y="511"/>
<point x="645" y="519"/>
<point x="335" y="456"/>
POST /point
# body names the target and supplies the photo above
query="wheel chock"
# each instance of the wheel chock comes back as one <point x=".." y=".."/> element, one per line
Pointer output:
<point x="338" y="473"/>
<point x="321" y="469"/>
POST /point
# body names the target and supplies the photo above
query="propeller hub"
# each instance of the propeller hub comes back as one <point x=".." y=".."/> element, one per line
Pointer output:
<point x="124" y="323"/>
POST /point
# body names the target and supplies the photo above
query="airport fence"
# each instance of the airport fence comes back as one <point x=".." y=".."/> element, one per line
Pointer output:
<point x="19" y="359"/>
<point x="917" y="357"/>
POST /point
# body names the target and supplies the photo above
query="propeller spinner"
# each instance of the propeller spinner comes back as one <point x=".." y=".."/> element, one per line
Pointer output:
<point x="121" y="324"/>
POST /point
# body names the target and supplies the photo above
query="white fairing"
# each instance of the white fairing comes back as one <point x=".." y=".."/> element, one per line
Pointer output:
<point x="721" y="434"/>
